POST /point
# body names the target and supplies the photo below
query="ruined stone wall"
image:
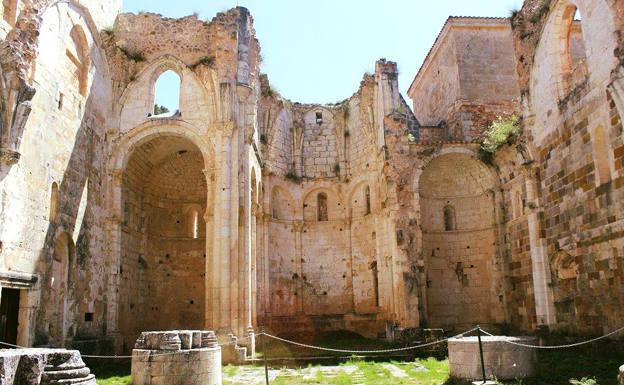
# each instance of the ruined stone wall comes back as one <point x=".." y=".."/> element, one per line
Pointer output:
<point x="573" y="130"/>
<point x="468" y="79"/>
<point x="52" y="211"/>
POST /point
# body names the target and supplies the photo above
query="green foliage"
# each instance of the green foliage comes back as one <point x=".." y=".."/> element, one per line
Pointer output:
<point x="501" y="131"/>
<point x="133" y="54"/>
<point x="207" y="61"/>
<point x="160" y="109"/>
<point x="411" y="137"/>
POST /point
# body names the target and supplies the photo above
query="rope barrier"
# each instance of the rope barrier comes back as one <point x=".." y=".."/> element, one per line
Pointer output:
<point x="375" y="351"/>
<point x="115" y="357"/>
<point x="364" y="351"/>
<point x="560" y="346"/>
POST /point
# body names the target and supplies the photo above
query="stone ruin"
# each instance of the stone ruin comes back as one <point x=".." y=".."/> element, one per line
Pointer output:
<point x="502" y="359"/>
<point x="373" y="215"/>
<point x="182" y="357"/>
<point x="43" y="367"/>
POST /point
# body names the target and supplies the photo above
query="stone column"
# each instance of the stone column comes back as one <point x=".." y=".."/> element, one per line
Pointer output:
<point x="212" y="260"/>
<point x="540" y="265"/>
<point x="113" y="228"/>
<point x="347" y="226"/>
<point x="298" y="227"/>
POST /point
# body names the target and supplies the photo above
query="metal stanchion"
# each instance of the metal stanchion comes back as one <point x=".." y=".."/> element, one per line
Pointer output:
<point x="481" y="353"/>
<point x="264" y="355"/>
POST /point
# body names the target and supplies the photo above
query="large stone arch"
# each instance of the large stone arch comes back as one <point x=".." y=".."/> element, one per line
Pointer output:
<point x="463" y="281"/>
<point x="157" y="144"/>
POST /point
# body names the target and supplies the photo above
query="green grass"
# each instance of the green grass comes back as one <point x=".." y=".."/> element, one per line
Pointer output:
<point x="599" y="362"/>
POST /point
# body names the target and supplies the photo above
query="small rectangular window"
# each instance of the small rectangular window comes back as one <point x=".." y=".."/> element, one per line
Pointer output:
<point x="319" y="118"/>
<point x="88" y="317"/>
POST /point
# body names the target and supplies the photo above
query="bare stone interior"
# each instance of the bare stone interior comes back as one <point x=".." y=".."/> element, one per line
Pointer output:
<point x="244" y="209"/>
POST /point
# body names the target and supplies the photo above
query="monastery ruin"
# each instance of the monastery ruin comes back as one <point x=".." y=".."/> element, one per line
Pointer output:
<point x="244" y="210"/>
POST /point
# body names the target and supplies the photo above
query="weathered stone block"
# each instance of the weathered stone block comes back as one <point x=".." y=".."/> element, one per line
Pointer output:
<point x="502" y="359"/>
<point x="177" y="357"/>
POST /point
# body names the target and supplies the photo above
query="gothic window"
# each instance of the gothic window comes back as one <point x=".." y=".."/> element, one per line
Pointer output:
<point x="167" y="95"/>
<point x="449" y="218"/>
<point x="322" y="207"/>
<point x="573" y="55"/>
<point x="194" y="223"/>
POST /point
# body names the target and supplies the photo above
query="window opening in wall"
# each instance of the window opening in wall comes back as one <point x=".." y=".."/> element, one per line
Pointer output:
<point x="53" y="202"/>
<point x="368" y="200"/>
<point x="9" y="315"/>
<point x="449" y="218"/>
<point x="574" y="57"/>
<point x="88" y="317"/>
<point x="322" y="207"/>
<point x="167" y="95"/>
<point x="195" y="224"/>
<point x="319" y="118"/>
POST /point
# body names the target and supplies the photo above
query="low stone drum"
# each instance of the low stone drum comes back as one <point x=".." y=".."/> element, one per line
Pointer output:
<point x="181" y="357"/>
<point x="503" y="360"/>
<point x="43" y="367"/>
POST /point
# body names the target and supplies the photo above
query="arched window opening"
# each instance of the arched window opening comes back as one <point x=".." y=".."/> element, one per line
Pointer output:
<point x="194" y="223"/>
<point x="275" y="201"/>
<point x="9" y="11"/>
<point x="321" y="201"/>
<point x="167" y="95"/>
<point x="367" y="200"/>
<point x="78" y="54"/>
<point x="574" y="58"/>
<point x="53" y="202"/>
<point x="449" y="218"/>
<point x="601" y="155"/>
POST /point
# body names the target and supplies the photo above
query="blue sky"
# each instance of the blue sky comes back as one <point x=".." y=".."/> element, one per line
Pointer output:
<point x="316" y="51"/>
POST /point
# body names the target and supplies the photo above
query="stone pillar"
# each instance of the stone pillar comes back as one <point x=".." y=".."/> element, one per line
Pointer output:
<point x="540" y="265"/>
<point x="298" y="227"/>
<point x="347" y="225"/>
<point x="211" y="295"/>
<point x="113" y="228"/>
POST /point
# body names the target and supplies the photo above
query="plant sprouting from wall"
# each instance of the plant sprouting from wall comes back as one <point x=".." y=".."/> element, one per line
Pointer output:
<point x="133" y="54"/>
<point x="502" y="131"/>
<point x="207" y="61"/>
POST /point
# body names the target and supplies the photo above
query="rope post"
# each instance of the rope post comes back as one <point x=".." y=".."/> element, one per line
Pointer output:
<point x="481" y="353"/>
<point x="264" y="356"/>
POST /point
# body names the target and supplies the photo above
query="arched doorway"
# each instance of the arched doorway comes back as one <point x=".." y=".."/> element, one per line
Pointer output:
<point x="459" y="243"/>
<point x="163" y="238"/>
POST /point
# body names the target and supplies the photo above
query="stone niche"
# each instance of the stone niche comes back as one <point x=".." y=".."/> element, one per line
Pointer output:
<point x="43" y="366"/>
<point x="185" y="357"/>
<point x="502" y="360"/>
